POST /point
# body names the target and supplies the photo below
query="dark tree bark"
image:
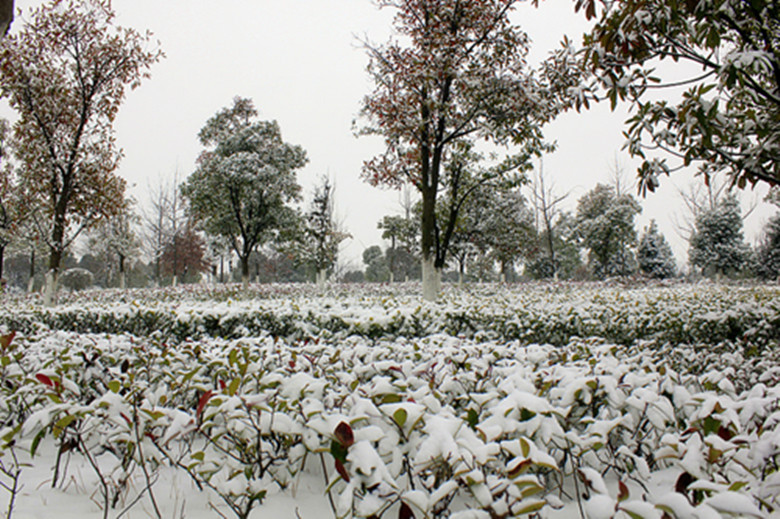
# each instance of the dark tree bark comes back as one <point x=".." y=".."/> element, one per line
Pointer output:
<point x="6" y="16"/>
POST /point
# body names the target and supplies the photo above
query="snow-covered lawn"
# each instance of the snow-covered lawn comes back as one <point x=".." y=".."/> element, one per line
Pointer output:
<point x="532" y="400"/>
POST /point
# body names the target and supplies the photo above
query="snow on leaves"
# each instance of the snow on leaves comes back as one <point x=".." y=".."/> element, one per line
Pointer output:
<point x="425" y="425"/>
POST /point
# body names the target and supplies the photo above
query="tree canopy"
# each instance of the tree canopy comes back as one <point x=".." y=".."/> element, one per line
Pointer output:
<point x="728" y="117"/>
<point x="66" y="73"/>
<point x="454" y="72"/>
<point x="245" y="179"/>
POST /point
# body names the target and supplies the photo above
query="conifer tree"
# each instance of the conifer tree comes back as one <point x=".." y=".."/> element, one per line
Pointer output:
<point x="654" y="255"/>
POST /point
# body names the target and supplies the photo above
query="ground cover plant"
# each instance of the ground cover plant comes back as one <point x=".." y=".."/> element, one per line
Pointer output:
<point x="592" y="400"/>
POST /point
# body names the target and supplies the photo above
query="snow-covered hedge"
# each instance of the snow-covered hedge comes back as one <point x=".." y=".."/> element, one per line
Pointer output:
<point x="542" y="314"/>
<point x="472" y="425"/>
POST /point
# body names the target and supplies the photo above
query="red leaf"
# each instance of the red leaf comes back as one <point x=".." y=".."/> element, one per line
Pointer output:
<point x="622" y="491"/>
<point x="204" y="399"/>
<point x="405" y="512"/>
<point x="342" y="471"/>
<point x="43" y="379"/>
<point x="5" y="340"/>
<point x="127" y="419"/>
<point x="222" y="384"/>
<point x="344" y="434"/>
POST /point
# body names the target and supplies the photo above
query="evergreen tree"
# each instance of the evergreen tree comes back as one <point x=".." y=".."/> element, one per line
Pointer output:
<point x="768" y="252"/>
<point x="245" y="180"/>
<point x="322" y="232"/>
<point x="605" y="226"/>
<point x="376" y="264"/>
<point x="654" y="255"/>
<point x="717" y="246"/>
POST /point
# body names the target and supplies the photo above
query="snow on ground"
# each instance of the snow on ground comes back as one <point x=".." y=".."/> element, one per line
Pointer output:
<point x="495" y="401"/>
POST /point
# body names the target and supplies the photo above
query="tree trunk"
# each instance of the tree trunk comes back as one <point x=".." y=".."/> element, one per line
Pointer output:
<point x="431" y="276"/>
<point x="53" y="274"/>
<point x="245" y="271"/>
<point x="31" y="280"/>
<point x="122" y="273"/>
<point x="322" y="277"/>
<point x="2" y="255"/>
<point x="431" y="280"/>
<point x="6" y="16"/>
<point x="52" y="278"/>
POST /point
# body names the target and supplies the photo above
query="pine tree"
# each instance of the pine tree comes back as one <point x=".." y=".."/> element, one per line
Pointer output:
<point x="654" y="255"/>
<point x="717" y="246"/>
<point x="768" y="252"/>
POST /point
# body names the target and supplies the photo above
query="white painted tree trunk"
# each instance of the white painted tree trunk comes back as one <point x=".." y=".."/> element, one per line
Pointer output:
<point x="431" y="280"/>
<point x="122" y="280"/>
<point x="322" y="277"/>
<point x="50" y="289"/>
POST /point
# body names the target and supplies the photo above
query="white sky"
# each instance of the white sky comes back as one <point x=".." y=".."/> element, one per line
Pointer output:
<point x="301" y="63"/>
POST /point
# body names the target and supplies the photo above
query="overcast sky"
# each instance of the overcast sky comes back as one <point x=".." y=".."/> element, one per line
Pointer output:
<point x="302" y="64"/>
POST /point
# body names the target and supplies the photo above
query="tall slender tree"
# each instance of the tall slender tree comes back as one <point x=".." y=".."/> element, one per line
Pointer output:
<point x="323" y="232"/>
<point x="66" y="73"/>
<point x="455" y="72"/>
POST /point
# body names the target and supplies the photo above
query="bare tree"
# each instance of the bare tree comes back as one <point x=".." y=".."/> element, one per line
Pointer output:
<point x="546" y="206"/>
<point x="699" y="197"/>
<point x="163" y="219"/>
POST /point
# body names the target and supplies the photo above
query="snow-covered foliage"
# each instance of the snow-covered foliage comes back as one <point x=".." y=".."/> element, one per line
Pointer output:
<point x="399" y="411"/>
<point x="723" y="52"/>
<point x="605" y="226"/>
<point x="768" y="252"/>
<point x="718" y="246"/>
<point x="245" y="180"/>
<point x="654" y="255"/>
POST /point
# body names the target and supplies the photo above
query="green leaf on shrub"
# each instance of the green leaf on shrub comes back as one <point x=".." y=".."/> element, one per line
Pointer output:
<point x="338" y="451"/>
<point x="62" y="424"/>
<point x="525" y="447"/>
<point x="233" y="387"/>
<point x="390" y="398"/>
<point x="533" y="506"/>
<point x="9" y="436"/>
<point x="400" y="417"/>
<point x="526" y="415"/>
<point x="711" y="425"/>
<point x="36" y="441"/>
<point x="472" y="418"/>
<point x="114" y="386"/>
<point x="198" y="456"/>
